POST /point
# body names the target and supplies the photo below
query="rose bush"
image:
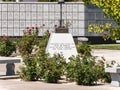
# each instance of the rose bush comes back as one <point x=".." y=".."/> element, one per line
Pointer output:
<point x="27" y="48"/>
<point x="7" y="46"/>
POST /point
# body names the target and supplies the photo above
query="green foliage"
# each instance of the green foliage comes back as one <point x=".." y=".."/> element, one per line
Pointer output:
<point x="84" y="49"/>
<point x="28" y="42"/>
<point x="28" y="49"/>
<point x="108" y="46"/>
<point x="7" y="47"/>
<point x="86" y="71"/>
<point x="38" y="64"/>
<point x="28" y="72"/>
<point x="103" y="76"/>
<point x="49" y="68"/>
<point x="107" y="30"/>
<point x="43" y="42"/>
<point x="52" y="76"/>
<point x="41" y="56"/>
<point x="111" y="9"/>
<point x="70" y="69"/>
<point x="55" y="68"/>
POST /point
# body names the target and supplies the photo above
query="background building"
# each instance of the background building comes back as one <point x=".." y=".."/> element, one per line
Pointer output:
<point x="15" y="17"/>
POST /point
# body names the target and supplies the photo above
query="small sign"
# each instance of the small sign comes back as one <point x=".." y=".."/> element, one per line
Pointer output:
<point x="61" y="43"/>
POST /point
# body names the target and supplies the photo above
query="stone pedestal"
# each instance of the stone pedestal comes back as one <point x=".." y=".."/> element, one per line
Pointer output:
<point x="115" y="75"/>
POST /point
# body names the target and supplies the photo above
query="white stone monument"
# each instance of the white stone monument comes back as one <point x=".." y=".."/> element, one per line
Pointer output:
<point x="61" y="43"/>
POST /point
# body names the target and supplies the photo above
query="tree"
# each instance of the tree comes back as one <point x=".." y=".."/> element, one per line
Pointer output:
<point x="111" y="9"/>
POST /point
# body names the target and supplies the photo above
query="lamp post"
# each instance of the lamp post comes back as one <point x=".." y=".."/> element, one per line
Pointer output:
<point x="61" y="2"/>
<point x="61" y="28"/>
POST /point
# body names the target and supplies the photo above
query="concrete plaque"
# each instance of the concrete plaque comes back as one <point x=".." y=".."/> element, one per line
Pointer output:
<point x="61" y="43"/>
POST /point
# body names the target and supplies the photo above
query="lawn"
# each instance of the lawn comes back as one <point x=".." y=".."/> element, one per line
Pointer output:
<point x="106" y="46"/>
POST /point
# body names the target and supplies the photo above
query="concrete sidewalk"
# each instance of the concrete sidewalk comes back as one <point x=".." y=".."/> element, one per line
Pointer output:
<point x="109" y="55"/>
<point x="16" y="84"/>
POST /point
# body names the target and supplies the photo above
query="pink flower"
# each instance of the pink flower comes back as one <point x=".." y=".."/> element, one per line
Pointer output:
<point x="29" y="31"/>
<point x="36" y="28"/>
<point x="49" y="34"/>
<point x="48" y="71"/>
<point x="5" y="38"/>
<point x="55" y="26"/>
<point x="43" y="24"/>
<point x="27" y="27"/>
<point x="33" y="28"/>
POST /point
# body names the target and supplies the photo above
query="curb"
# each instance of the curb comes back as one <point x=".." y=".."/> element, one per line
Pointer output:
<point x="4" y="77"/>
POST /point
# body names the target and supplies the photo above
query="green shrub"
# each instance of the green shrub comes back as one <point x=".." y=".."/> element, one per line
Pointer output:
<point x="29" y="41"/>
<point x="86" y="70"/>
<point x="55" y="68"/>
<point x="70" y="69"/>
<point x="7" y="47"/>
<point x="84" y="49"/>
<point x="37" y="62"/>
<point x="28" y="49"/>
<point x="41" y="56"/>
<point x="103" y="76"/>
<point x="28" y="72"/>
<point x="49" y="68"/>
<point x="52" y="76"/>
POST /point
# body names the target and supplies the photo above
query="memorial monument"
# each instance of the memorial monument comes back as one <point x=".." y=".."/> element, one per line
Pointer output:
<point x="61" y="41"/>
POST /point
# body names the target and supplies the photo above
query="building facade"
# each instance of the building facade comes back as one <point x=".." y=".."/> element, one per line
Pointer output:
<point x="15" y="17"/>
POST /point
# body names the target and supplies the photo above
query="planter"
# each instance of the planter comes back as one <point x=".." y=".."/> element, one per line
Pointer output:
<point x="115" y="75"/>
<point x="61" y="30"/>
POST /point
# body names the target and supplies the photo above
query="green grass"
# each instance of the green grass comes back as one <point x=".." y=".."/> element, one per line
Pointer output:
<point x="106" y="46"/>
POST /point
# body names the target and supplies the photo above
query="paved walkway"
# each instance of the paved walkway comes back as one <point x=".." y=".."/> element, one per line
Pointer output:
<point x="109" y="55"/>
<point x="17" y="84"/>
